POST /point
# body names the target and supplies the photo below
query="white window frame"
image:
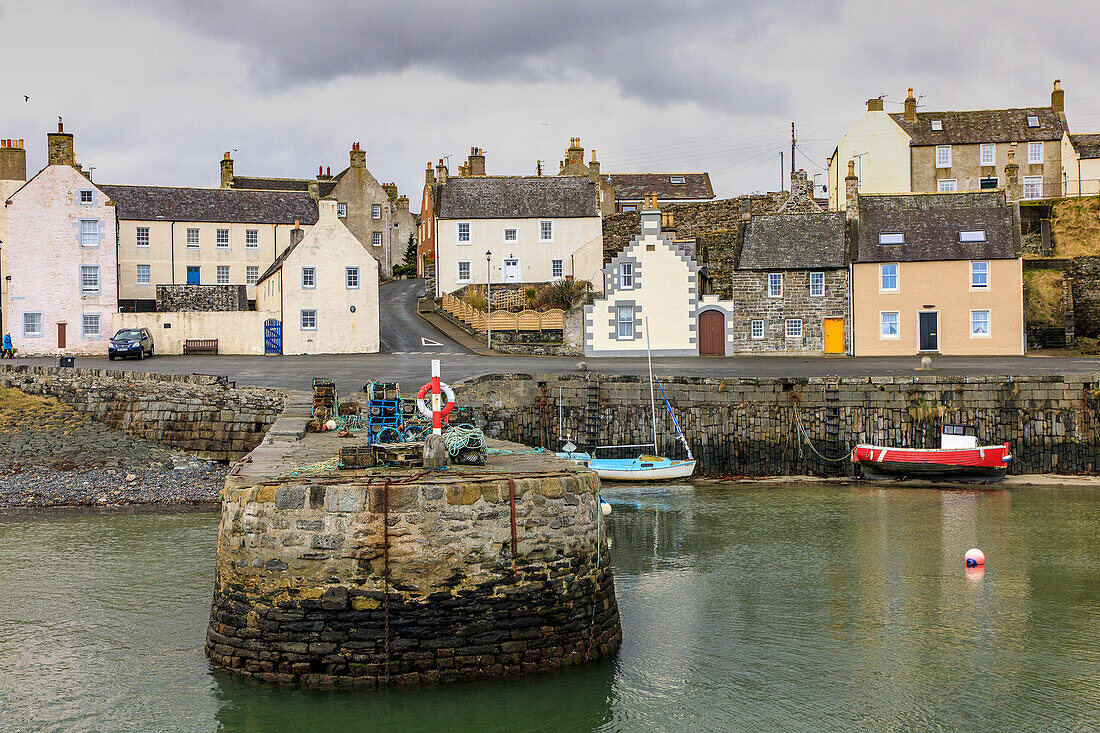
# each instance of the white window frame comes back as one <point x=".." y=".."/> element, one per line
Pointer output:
<point x="463" y="230"/>
<point x="84" y="321"/>
<point x="219" y="241"/>
<point x="988" y="323"/>
<point x="145" y="270"/>
<point x="458" y="271"/>
<point x="882" y="325"/>
<point x="943" y="156"/>
<point x="138" y="236"/>
<point x="351" y="278"/>
<point x="937" y="125"/>
<point x="305" y="313"/>
<point x="947" y="185"/>
<point x="89" y="237"/>
<point x="624" y="328"/>
<point x="677" y="180"/>
<point x="626" y="276"/>
<point x="775" y="284"/>
<point x="817" y="284"/>
<point x="221" y="274"/>
<point x="792" y="328"/>
<point x="41" y="325"/>
<point x="543" y="226"/>
<point x="1035" y="184"/>
<point x="976" y="270"/>
<point x="376" y="211"/>
<point x="891" y="237"/>
<point x="514" y="232"/>
<point x="88" y="289"/>
<point x="557" y="269"/>
<point x="756" y="329"/>
<point x="990" y="148"/>
<point x="251" y="274"/>
<point x="309" y="278"/>
<point x="376" y="239"/>
<point x="192" y="241"/>
<point x="341" y="211"/>
<point x="80" y="197"/>
<point x="972" y="235"/>
<point x="882" y="275"/>
<point x="1033" y="120"/>
<point x="1035" y="153"/>
<point x="251" y="238"/>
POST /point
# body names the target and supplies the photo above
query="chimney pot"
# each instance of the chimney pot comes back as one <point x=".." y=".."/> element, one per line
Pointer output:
<point x="225" y="155"/>
<point x="60" y="125"/>
<point x="328" y="170"/>
<point x="320" y="171"/>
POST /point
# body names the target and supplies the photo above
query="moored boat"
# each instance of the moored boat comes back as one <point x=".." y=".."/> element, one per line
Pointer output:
<point x="959" y="458"/>
<point x="642" y="468"/>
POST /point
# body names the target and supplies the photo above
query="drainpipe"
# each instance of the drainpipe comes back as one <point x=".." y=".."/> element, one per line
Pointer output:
<point x="172" y="247"/>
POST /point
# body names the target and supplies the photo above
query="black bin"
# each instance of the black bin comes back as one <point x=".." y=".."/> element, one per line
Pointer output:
<point x="66" y="361"/>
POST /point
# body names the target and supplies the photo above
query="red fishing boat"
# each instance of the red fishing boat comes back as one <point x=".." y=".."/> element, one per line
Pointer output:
<point x="959" y="458"/>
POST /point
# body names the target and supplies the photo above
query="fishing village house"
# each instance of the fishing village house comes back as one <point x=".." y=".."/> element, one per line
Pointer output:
<point x="916" y="152"/>
<point x="935" y="273"/>
<point x="323" y="289"/>
<point x="59" y="253"/>
<point x="1081" y="159"/>
<point x="13" y="174"/>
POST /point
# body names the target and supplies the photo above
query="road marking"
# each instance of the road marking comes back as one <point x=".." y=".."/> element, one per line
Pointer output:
<point x="428" y="342"/>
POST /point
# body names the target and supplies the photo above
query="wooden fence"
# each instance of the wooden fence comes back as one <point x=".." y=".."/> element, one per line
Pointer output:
<point x="526" y="320"/>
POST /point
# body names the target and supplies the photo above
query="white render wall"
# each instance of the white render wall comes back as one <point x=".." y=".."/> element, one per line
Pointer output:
<point x="578" y="242"/>
<point x="44" y="257"/>
<point x="7" y="188"/>
<point x="237" y="332"/>
<point x="884" y="165"/>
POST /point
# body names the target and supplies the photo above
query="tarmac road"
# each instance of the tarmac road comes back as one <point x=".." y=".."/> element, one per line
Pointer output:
<point x="400" y="330"/>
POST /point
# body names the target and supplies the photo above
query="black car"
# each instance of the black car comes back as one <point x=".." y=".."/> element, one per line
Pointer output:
<point x="131" y="342"/>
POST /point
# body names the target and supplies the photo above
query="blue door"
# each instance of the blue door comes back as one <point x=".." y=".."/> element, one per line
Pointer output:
<point x="273" y="336"/>
<point x="192" y="274"/>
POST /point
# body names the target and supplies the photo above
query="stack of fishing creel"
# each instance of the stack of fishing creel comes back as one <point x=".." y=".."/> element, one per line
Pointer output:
<point x="465" y="444"/>
<point x="324" y="404"/>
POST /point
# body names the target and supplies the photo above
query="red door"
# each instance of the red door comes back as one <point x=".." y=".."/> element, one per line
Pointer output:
<point x="712" y="333"/>
<point x="61" y="335"/>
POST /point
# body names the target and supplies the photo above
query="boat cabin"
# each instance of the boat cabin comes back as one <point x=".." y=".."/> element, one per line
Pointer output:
<point x="953" y="437"/>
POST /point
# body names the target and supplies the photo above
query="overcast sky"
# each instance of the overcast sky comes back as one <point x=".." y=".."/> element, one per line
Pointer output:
<point x="156" y="91"/>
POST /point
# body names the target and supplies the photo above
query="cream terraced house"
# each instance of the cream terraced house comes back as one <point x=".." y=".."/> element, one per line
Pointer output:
<point x="535" y="229"/>
<point x="13" y="174"/>
<point x="324" y="290"/>
<point x="200" y="236"/>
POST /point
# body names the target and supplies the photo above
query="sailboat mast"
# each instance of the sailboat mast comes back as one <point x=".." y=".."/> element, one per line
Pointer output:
<point x="652" y="399"/>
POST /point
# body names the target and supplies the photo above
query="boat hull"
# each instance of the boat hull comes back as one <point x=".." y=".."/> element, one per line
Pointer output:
<point x="617" y="469"/>
<point x="983" y="463"/>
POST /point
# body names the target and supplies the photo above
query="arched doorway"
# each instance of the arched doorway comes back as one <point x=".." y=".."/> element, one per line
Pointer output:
<point x="712" y="333"/>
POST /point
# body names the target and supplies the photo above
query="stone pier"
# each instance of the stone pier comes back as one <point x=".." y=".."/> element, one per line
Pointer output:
<point x="404" y="575"/>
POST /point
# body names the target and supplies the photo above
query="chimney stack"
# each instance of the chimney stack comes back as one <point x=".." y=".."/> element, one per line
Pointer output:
<point x="475" y="164"/>
<point x="440" y="172"/>
<point x="874" y="105"/>
<point x="651" y="215"/>
<point x="13" y="161"/>
<point x="910" y="107"/>
<point x="593" y="167"/>
<point x="391" y="190"/>
<point x="227" y="171"/>
<point x="1012" y="178"/>
<point x="851" y="193"/>
<point x="296" y="234"/>
<point x="575" y="154"/>
<point x="59" y="147"/>
<point x="429" y="175"/>
<point x="358" y="157"/>
<point x="402" y="203"/>
<point x="1058" y="98"/>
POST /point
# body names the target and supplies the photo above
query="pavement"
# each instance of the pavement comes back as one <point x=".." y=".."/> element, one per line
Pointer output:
<point x="409" y="343"/>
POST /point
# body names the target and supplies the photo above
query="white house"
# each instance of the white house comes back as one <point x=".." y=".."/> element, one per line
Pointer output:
<point x="324" y="290"/>
<point x="652" y="280"/>
<point x="60" y="255"/>
<point x="518" y="229"/>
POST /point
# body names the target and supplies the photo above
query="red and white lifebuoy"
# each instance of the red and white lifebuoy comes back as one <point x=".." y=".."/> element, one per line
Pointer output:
<point x="437" y="412"/>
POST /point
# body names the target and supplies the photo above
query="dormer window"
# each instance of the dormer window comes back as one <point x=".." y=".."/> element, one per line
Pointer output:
<point x="676" y="179"/>
<point x="972" y="235"/>
<point x="937" y="125"/>
<point x="891" y="238"/>
<point x="1032" y="121"/>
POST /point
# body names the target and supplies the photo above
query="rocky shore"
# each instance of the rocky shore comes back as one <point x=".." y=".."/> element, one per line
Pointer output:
<point x="51" y="455"/>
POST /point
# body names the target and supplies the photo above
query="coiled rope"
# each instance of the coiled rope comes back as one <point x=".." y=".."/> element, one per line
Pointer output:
<point x="458" y="437"/>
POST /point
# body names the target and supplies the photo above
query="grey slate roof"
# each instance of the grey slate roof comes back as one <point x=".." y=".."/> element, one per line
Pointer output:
<point x="515" y="197"/>
<point x="931" y="223"/>
<point x="1087" y="146"/>
<point x="260" y="183"/>
<point x="981" y="126"/>
<point x="794" y="242"/>
<point x="631" y="186"/>
<point x="151" y="203"/>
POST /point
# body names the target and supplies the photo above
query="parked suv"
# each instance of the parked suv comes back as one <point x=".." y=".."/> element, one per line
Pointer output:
<point x="131" y="342"/>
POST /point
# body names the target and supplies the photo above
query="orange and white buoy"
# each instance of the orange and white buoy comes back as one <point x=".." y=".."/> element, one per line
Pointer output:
<point x="974" y="557"/>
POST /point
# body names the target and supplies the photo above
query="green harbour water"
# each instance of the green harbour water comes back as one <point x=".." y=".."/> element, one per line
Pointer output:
<point x="801" y="607"/>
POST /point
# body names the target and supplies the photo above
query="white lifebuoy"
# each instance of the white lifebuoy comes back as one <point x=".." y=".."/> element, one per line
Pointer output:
<point x="425" y="410"/>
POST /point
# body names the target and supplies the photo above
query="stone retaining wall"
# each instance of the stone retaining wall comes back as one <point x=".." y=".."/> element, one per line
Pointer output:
<point x="198" y="413"/>
<point x="750" y="426"/>
<point x="410" y="578"/>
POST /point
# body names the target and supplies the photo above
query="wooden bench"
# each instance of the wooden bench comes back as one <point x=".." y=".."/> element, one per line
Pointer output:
<point x="200" y="346"/>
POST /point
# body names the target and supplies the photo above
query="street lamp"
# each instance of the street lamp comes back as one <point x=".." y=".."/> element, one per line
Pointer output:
<point x="488" y="298"/>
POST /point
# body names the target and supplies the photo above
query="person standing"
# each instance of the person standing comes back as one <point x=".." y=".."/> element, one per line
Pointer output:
<point x="7" y="351"/>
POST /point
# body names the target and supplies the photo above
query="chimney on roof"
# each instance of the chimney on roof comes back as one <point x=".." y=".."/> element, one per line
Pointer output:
<point x="651" y="215"/>
<point x="440" y="172"/>
<point x="391" y="190"/>
<point x="910" y="107"/>
<point x="874" y="105"/>
<point x="593" y="167"/>
<point x="851" y="193"/>
<point x="326" y="211"/>
<point x="13" y="161"/>
<point x="320" y="171"/>
<point x="296" y="234"/>
<point x="314" y="190"/>
<point x="1012" y="178"/>
<point x="575" y="153"/>
<point x="358" y="157"/>
<point x="475" y="164"/>
<point x="402" y="203"/>
<point x="429" y="175"/>
<point x="227" y="171"/>
<point x="1058" y="98"/>
<point x="59" y="147"/>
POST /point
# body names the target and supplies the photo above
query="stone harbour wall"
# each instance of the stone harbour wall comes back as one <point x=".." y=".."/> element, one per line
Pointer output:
<point x="179" y="298"/>
<point x="411" y="578"/>
<point x="750" y="426"/>
<point x="200" y="414"/>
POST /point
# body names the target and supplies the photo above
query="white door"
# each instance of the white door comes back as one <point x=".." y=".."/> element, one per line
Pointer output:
<point x="511" y="271"/>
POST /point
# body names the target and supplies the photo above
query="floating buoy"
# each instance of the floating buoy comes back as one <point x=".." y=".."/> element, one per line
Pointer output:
<point x="974" y="557"/>
<point x="330" y="425"/>
<point x="605" y="508"/>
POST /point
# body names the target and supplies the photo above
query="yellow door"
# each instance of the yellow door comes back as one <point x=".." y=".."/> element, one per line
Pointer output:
<point x="834" y="335"/>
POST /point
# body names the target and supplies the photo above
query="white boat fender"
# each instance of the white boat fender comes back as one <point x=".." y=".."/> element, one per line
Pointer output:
<point x="605" y="508"/>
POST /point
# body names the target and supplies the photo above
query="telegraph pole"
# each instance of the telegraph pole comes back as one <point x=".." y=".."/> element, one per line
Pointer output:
<point x="792" y="148"/>
<point x="781" y="171"/>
